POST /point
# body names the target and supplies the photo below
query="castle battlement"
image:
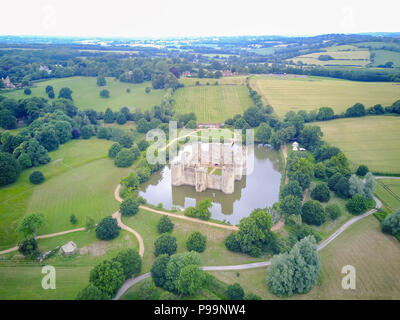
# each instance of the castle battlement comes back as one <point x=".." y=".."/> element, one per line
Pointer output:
<point x="209" y="166"/>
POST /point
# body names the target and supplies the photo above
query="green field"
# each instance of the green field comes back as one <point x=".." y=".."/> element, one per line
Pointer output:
<point x="235" y="80"/>
<point x="375" y="256"/>
<point x="344" y="58"/>
<point x="80" y="180"/>
<point x="213" y="103"/>
<point x="310" y="93"/>
<point x="86" y="93"/>
<point x="21" y="279"/>
<point x="388" y="191"/>
<point x="372" y="141"/>
<point x="383" y="56"/>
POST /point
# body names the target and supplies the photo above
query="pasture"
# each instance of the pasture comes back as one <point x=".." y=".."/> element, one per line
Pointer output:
<point x="388" y="191"/>
<point x="234" y="80"/>
<point x="213" y="103"/>
<point x="372" y="141"/>
<point x="21" y="279"/>
<point x="285" y="93"/>
<point x="86" y="93"/>
<point x="375" y="256"/>
<point x="383" y="56"/>
<point x="80" y="180"/>
<point x="359" y="58"/>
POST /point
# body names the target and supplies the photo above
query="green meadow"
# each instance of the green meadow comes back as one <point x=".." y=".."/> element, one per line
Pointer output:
<point x="212" y="103"/>
<point x="310" y="93"/>
<point x="372" y="141"/>
<point x="80" y="180"/>
<point x="86" y="93"/>
<point x="388" y="191"/>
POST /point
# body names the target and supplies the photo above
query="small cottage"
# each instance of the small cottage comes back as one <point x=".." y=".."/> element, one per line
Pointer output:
<point x="69" y="249"/>
<point x="295" y="146"/>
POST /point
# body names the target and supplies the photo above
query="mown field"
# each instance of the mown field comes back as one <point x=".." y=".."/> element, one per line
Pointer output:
<point x="346" y="58"/>
<point x="20" y="279"/>
<point x="375" y="256"/>
<point x="372" y="141"/>
<point x="388" y="191"/>
<point x="287" y="93"/>
<point x="86" y="93"/>
<point x="234" y="80"/>
<point x="80" y="180"/>
<point x="212" y="103"/>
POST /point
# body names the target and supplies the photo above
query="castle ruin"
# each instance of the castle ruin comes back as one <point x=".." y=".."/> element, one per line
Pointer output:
<point x="209" y="166"/>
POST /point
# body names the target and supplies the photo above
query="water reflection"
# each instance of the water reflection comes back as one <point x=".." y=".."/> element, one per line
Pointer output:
<point x="256" y="190"/>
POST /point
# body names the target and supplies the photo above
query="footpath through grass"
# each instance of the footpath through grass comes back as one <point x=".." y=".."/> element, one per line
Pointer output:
<point x="80" y="180"/>
<point x="375" y="256"/>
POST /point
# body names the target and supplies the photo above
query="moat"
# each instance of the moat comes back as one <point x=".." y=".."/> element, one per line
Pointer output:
<point x="256" y="190"/>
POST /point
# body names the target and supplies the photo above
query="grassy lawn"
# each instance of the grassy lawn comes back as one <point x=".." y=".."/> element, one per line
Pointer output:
<point x="388" y="191"/>
<point x="80" y="179"/>
<point x="372" y="141"/>
<point x="145" y="222"/>
<point x="375" y="256"/>
<point x="21" y="279"/>
<point x="213" y="103"/>
<point x="310" y="93"/>
<point x="86" y="93"/>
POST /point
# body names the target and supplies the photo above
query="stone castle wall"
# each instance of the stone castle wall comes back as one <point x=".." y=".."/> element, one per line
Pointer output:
<point x="192" y="170"/>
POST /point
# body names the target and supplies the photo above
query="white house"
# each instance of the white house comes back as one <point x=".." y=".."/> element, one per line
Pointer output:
<point x="295" y="146"/>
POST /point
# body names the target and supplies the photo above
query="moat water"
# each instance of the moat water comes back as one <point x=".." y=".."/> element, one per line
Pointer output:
<point x="258" y="189"/>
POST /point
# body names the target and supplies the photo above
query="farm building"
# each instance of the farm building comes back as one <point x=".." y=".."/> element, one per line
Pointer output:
<point x="69" y="249"/>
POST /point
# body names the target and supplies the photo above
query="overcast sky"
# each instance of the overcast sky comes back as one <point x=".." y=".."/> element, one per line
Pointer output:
<point x="168" y="18"/>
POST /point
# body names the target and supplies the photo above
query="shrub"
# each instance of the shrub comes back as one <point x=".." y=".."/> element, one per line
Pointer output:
<point x="91" y="292"/>
<point x="114" y="149"/>
<point x="196" y="242"/>
<point x="73" y="219"/>
<point x="121" y="119"/>
<point x="27" y="91"/>
<point x="9" y="169"/>
<point x="391" y="224"/>
<point x="29" y="248"/>
<point x="108" y="276"/>
<point x="129" y="207"/>
<point x="36" y="177"/>
<point x="293" y="188"/>
<point x="165" y="225"/>
<point x="362" y="170"/>
<point x="126" y="141"/>
<point x="124" y="158"/>
<point x="320" y="170"/>
<point x="147" y="290"/>
<point x="191" y="279"/>
<point x="104" y="93"/>
<point x="158" y="270"/>
<point x="290" y="205"/>
<point x="235" y="292"/>
<point x="232" y="243"/>
<point x="333" y="211"/>
<point x="131" y="262"/>
<point x="321" y="192"/>
<point x="190" y="212"/>
<point x="143" y="144"/>
<point x="358" y="204"/>
<point x="87" y="132"/>
<point x="312" y="212"/>
<point x="107" y="229"/>
<point x="165" y="244"/>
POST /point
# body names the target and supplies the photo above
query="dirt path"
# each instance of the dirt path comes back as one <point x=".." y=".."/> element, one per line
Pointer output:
<point x="305" y="195"/>
<point x="45" y="236"/>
